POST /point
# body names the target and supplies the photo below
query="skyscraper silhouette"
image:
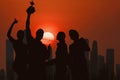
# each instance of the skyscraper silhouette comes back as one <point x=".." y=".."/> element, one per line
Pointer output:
<point x="87" y="58"/>
<point x="2" y="74"/>
<point x="94" y="61"/>
<point x="87" y="52"/>
<point x="110" y="64"/>
<point x="9" y="60"/>
<point x="101" y="68"/>
<point x="118" y="71"/>
<point x="101" y="62"/>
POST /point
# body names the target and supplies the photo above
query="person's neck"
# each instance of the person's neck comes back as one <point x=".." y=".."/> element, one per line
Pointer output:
<point x="76" y="40"/>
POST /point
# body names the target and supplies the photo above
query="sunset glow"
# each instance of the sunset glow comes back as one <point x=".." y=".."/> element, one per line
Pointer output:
<point x="93" y="19"/>
<point x="48" y="38"/>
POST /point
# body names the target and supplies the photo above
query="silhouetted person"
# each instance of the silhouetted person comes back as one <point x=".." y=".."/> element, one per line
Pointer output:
<point x="20" y="48"/>
<point x="61" y="57"/>
<point x="38" y="52"/>
<point x="77" y="61"/>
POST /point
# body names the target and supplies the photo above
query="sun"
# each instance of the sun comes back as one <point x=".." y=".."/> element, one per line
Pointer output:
<point x="48" y="38"/>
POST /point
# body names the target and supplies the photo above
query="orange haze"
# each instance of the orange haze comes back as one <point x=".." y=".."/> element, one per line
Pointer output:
<point x="93" y="19"/>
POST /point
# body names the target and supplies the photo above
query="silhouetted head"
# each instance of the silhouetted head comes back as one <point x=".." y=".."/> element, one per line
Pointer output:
<point x="20" y="34"/>
<point x="61" y="36"/>
<point x="39" y="34"/>
<point x="74" y="34"/>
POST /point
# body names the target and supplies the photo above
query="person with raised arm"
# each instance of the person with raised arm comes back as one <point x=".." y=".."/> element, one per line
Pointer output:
<point x="38" y="52"/>
<point x="19" y="65"/>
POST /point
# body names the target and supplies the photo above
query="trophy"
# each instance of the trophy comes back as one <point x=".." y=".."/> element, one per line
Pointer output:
<point x="31" y="9"/>
<point x="32" y="3"/>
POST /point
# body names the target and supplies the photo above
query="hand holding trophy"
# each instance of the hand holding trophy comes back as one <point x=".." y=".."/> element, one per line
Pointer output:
<point x="31" y="9"/>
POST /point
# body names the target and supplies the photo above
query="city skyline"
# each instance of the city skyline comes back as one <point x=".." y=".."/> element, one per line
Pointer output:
<point x="94" y="20"/>
<point x="96" y="64"/>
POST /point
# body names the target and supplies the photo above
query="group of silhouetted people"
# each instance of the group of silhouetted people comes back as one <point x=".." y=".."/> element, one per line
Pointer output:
<point x="32" y="57"/>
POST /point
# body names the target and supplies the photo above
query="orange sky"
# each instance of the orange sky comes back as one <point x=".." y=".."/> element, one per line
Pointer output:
<point x="94" y="19"/>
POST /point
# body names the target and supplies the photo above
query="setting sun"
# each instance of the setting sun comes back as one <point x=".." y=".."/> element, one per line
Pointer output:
<point x="48" y="37"/>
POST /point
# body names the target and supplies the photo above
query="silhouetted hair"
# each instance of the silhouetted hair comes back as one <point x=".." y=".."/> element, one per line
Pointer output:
<point x="61" y="36"/>
<point x="73" y="34"/>
<point x="39" y="33"/>
<point x="20" y="34"/>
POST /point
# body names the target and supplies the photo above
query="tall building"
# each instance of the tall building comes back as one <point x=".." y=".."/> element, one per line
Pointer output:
<point x="2" y="74"/>
<point x="110" y="64"/>
<point x="94" y="61"/>
<point x="87" y="55"/>
<point x="101" y="68"/>
<point x="87" y="52"/>
<point x="118" y="71"/>
<point x="101" y="62"/>
<point x="9" y="60"/>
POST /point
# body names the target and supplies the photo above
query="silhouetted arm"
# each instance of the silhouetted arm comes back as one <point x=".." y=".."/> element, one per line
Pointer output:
<point x="30" y="10"/>
<point x="46" y="54"/>
<point x="66" y="53"/>
<point x="10" y="30"/>
<point x="49" y="51"/>
<point x="28" y="32"/>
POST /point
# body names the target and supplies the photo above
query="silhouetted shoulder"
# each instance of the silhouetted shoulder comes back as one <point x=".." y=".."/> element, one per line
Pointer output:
<point x="82" y="41"/>
<point x="12" y="39"/>
<point x="84" y="44"/>
<point x="82" y="38"/>
<point x="44" y="46"/>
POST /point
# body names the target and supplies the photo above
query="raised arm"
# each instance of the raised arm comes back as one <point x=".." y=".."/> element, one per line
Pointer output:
<point x="10" y="30"/>
<point x="30" y="10"/>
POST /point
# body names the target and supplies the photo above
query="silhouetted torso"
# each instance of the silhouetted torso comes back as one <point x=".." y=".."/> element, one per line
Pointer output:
<point x="61" y="61"/>
<point x="61" y="53"/>
<point x="21" y="53"/>
<point x="20" y="62"/>
<point x="78" y="64"/>
<point x="37" y="53"/>
<point x="37" y="56"/>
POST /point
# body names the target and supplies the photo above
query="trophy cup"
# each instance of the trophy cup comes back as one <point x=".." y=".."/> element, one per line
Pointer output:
<point x="31" y="9"/>
<point x="32" y="3"/>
